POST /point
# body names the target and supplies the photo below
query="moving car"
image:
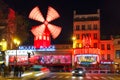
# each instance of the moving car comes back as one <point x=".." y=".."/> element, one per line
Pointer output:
<point x="79" y="71"/>
<point x="36" y="72"/>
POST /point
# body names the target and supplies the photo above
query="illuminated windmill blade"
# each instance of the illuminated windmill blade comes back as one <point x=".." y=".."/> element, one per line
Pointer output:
<point x="52" y="14"/>
<point x="38" y="29"/>
<point x="54" y="30"/>
<point x="35" y="14"/>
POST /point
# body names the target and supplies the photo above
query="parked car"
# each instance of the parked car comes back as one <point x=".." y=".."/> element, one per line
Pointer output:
<point x="79" y="71"/>
<point x="36" y="72"/>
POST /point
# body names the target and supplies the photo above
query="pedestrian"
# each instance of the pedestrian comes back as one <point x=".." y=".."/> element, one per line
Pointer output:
<point x="6" y="71"/>
<point x="16" y="71"/>
<point x="20" y="71"/>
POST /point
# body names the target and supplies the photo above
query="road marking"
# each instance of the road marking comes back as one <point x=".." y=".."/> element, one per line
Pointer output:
<point x="53" y="76"/>
<point x="60" y="77"/>
<point x="88" y="77"/>
<point x="67" y="77"/>
<point x="111" y="78"/>
<point x="95" y="77"/>
<point x="103" y="78"/>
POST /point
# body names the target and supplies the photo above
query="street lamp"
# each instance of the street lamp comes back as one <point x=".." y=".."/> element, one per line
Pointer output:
<point x="74" y="46"/>
<point x="3" y="45"/>
<point x="29" y="56"/>
<point x="74" y="43"/>
<point x="16" y="42"/>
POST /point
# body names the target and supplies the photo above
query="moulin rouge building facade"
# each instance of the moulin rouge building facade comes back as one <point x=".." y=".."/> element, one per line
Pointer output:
<point x="89" y="49"/>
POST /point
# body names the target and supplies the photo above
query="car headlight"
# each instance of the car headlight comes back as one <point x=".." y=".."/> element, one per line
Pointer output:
<point x="80" y="72"/>
<point x="73" y="71"/>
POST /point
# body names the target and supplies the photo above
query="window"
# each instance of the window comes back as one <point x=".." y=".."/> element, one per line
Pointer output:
<point x="108" y="56"/>
<point x="103" y="57"/>
<point x="118" y="42"/>
<point x="117" y="54"/>
<point x="95" y="35"/>
<point x="77" y="36"/>
<point x="83" y="27"/>
<point x="95" y="26"/>
<point x="102" y="47"/>
<point x="77" y="45"/>
<point x="95" y="45"/>
<point x="87" y="34"/>
<point x="108" y="46"/>
<point x="89" y="27"/>
<point x="83" y="35"/>
<point x="77" y="27"/>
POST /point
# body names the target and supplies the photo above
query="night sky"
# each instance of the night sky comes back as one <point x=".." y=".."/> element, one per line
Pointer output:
<point x="110" y="13"/>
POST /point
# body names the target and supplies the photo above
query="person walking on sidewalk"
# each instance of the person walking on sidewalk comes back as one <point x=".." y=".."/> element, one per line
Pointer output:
<point x="6" y="71"/>
<point x="20" y="71"/>
<point x="16" y="71"/>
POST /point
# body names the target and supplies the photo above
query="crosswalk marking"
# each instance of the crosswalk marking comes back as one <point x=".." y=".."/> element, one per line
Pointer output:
<point x="67" y="77"/>
<point x="60" y="77"/>
<point x="88" y="77"/>
<point x="53" y="76"/>
<point x="103" y="78"/>
<point x="95" y="77"/>
<point x="110" y="78"/>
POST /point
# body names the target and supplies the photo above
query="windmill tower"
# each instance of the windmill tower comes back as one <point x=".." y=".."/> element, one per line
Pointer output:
<point x="42" y="32"/>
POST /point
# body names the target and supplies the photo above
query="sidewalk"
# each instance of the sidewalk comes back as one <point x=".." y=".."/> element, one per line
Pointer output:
<point x="10" y="78"/>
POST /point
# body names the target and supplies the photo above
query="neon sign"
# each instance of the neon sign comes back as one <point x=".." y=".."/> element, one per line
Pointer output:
<point x="50" y="48"/>
<point x="87" y="59"/>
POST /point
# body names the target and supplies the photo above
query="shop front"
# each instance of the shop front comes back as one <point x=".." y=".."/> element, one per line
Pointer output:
<point x="107" y="65"/>
<point x="55" y="60"/>
<point x="87" y="57"/>
<point x="87" y="60"/>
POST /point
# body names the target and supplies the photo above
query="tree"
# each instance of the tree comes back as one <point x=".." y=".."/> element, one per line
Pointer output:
<point x="22" y="25"/>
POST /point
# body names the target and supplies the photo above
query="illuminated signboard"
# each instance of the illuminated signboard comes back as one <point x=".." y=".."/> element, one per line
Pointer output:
<point x="87" y="59"/>
<point x="50" y="48"/>
<point x="53" y="59"/>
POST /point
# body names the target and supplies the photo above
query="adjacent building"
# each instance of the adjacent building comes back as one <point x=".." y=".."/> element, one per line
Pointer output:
<point x="117" y="52"/>
<point x="89" y="49"/>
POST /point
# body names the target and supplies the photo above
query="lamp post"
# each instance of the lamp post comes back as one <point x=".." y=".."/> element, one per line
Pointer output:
<point x="3" y="45"/>
<point x="74" y="42"/>
<point x="74" y="46"/>
<point x="29" y="56"/>
<point x="17" y="43"/>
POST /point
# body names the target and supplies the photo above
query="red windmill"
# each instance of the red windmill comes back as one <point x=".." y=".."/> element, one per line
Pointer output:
<point x="42" y="32"/>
